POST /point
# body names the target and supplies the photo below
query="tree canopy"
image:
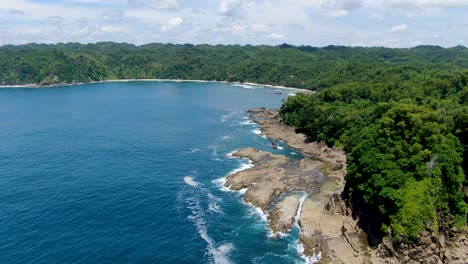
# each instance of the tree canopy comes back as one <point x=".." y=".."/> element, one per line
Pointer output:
<point x="405" y="133"/>
<point x="400" y="114"/>
<point x="303" y="67"/>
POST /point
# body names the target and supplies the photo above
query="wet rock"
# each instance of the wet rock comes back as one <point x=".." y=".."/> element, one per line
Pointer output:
<point x="282" y="216"/>
<point x="257" y="110"/>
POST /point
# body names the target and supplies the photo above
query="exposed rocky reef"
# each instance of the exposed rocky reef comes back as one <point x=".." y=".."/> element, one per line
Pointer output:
<point x="277" y="183"/>
<point x="328" y="223"/>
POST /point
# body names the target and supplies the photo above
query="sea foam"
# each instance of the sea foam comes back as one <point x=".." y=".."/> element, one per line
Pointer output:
<point x="219" y="254"/>
<point x="221" y="182"/>
<point x="245" y="86"/>
<point x="256" y="131"/>
<point x="315" y="258"/>
<point x="245" y="123"/>
<point x="213" y="204"/>
<point x="189" y="180"/>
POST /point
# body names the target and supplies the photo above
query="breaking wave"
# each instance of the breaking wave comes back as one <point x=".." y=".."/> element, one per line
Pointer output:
<point x="245" y="86"/>
<point x="218" y="254"/>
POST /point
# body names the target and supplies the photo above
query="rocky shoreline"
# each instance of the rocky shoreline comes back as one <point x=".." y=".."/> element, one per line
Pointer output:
<point x="308" y="189"/>
<point x="311" y="190"/>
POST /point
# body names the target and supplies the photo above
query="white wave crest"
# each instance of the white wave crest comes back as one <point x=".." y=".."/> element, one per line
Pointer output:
<point x="299" y="209"/>
<point x="193" y="150"/>
<point x="217" y="254"/>
<point x="245" y="123"/>
<point x="242" y="167"/>
<point x="190" y="181"/>
<point x="221" y="182"/>
<point x="230" y="154"/>
<point x="242" y="191"/>
<point x="214" y="150"/>
<point x="277" y="235"/>
<point x="244" y="86"/>
<point x="213" y="205"/>
<point x="255" y="211"/>
<point x="226" y="137"/>
<point x="228" y="116"/>
<point x="316" y="257"/>
<point x="256" y="131"/>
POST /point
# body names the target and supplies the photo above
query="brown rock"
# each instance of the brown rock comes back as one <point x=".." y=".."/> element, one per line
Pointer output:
<point x="283" y="214"/>
<point x="425" y="240"/>
<point x="425" y="233"/>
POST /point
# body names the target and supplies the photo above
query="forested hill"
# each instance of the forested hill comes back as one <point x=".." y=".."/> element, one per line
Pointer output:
<point x="406" y="135"/>
<point x="303" y="67"/>
<point x="400" y="114"/>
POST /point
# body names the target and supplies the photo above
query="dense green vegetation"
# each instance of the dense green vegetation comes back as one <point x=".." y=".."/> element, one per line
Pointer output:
<point x="405" y="131"/>
<point x="304" y="67"/>
<point x="400" y="114"/>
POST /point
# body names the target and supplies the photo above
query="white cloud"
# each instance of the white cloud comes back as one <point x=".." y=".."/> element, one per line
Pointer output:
<point x="308" y="22"/>
<point x="339" y="13"/>
<point x="259" y="28"/>
<point x="115" y="15"/>
<point x="86" y="1"/>
<point x="175" y="21"/>
<point x="277" y="36"/>
<point x="340" y="8"/>
<point x="166" y="4"/>
<point x="235" y="8"/>
<point x="114" y="29"/>
<point x="427" y="3"/>
<point x="399" y="28"/>
<point x="342" y="4"/>
<point x="171" y="5"/>
<point x="172" y="23"/>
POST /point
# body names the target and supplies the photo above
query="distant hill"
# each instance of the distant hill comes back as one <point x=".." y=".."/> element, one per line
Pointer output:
<point x="295" y="66"/>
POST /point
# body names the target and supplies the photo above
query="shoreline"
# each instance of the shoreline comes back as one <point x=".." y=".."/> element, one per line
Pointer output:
<point x="330" y="231"/>
<point x="36" y="86"/>
<point x="305" y="192"/>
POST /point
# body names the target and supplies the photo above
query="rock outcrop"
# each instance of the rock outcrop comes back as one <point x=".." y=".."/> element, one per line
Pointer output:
<point x="328" y="222"/>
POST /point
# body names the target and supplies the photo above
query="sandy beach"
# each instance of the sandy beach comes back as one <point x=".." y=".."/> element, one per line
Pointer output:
<point x="158" y="80"/>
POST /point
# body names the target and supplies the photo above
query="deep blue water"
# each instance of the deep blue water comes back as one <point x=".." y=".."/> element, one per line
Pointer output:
<point x="95" y="174"/>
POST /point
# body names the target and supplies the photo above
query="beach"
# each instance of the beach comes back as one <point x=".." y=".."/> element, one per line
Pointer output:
<point x="247" y="84"/>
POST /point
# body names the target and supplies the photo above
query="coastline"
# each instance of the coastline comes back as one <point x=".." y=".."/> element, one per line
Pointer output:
<point x="329" y="229"/>
<point x="35" y="86"/>
<point x="305" y="193"/>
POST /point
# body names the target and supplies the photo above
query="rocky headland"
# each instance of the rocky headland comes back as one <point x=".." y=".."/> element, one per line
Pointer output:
<point x="309" y="192"/>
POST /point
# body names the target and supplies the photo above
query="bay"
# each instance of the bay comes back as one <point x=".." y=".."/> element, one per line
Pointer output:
<point x="131" y="172"/>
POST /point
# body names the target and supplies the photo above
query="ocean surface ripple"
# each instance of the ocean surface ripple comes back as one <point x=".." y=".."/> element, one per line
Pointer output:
<point x="131" y="173"/>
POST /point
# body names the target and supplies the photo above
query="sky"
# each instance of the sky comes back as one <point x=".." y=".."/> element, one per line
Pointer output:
<point x="389" y="23"/>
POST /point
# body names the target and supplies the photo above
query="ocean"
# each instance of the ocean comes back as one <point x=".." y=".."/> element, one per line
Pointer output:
<point x="132" y="172"/>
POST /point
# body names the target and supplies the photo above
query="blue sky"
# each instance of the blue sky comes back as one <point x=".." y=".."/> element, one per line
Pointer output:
<point x="391" y="23"/>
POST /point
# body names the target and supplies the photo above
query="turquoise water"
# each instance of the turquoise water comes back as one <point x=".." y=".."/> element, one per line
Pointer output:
<point x="95" y="174"/>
